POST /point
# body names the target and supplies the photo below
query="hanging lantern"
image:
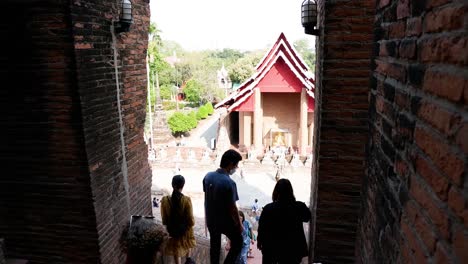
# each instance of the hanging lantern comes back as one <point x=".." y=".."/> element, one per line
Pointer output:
<point x="126" y="19"/>
<point x="309" y="17"/>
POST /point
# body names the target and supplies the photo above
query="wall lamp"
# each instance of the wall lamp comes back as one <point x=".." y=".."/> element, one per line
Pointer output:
<point x="125" y="20"/>
<point x="309" y="17"/>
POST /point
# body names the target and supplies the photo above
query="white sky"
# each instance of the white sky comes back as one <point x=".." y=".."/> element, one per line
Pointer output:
<point x="237" y="24"/>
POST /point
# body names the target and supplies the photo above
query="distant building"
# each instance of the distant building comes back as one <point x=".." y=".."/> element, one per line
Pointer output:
<point x="224" y="82"/>
<point x="274" y="107"/>
<point x="172" y="60"/>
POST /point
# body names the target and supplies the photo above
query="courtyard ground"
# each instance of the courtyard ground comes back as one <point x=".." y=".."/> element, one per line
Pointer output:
<point x="258" y="182"/>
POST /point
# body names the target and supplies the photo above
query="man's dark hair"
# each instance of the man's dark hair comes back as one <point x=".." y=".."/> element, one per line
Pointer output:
<point x="230" y="157"/>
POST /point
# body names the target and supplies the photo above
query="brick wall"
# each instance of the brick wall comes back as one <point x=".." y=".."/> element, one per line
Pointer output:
<point x="344" y="49"/>
<point x="415" y="194"/>
<point x="110" y="170"/>
<point x="64" y="200"/>
<point x="46" y="210"/>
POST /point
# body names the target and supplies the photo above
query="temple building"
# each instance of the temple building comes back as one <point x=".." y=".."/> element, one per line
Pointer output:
<point x="274" y="107"/>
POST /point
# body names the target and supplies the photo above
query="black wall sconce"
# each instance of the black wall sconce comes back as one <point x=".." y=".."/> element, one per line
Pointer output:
<point x="126" y="19"/>
<point x="309" y="17"/>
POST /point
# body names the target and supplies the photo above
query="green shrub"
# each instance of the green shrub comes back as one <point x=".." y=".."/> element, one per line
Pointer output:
<point x="202" y="113"/>
<point x="193" y="119"/>
<point x="180" y="123"/>
<point x="209" y="108"/>
<point x="192" y="91"/>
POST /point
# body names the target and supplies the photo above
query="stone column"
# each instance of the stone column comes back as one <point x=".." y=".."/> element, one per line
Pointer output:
<point x="311" y="131"/>
<point x="241" y="128"/>
<point x="303" y="131"/>
<point x="245" y="128"/>
<point x="258" y="121"/>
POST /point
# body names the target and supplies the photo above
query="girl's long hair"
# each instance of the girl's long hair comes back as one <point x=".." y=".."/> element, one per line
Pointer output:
<point x="178" y="182"/>
<point x="283" y="191"/>
<point x="241" y="214"/>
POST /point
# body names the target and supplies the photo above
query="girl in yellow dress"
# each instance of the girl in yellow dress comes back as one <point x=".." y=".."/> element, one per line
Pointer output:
<point x="177" y="216"/>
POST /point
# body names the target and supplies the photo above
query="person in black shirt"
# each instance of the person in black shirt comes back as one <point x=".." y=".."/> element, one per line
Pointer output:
<point x="281" y="235"/>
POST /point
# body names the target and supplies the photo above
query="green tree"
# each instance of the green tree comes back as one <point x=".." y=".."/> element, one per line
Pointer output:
<point x="305" y="50"/>
<point x="228" y="56"/>
<point x="154" y="33"/>
<point x="192" y="91"/>
<point x="183" y="72"/>
<point x="165" y="91"/>
<point x="241" y="70"/>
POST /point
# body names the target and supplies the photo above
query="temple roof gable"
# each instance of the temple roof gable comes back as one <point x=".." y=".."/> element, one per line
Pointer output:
<point x="280" y="52"/>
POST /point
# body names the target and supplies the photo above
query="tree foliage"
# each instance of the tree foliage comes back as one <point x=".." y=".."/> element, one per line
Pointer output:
<point x="165" y="91"/>
<point x="183" y="72"/>
<point x="228" y="55"/>
<point x="192" y="91"/>
<point x="241" y="70"/>
<point x="304" y="48"/>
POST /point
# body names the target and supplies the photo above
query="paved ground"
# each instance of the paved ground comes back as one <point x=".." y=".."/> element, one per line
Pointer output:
<point x="206" y="130"/>
<point x="258" y="182"/>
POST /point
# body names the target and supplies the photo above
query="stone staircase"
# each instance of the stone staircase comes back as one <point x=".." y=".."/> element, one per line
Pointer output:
<point x="161" y="132"/>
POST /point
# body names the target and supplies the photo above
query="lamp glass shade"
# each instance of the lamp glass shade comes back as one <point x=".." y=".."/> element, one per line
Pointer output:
<point x="126" y="14"/>
<point x="309" y="13"/>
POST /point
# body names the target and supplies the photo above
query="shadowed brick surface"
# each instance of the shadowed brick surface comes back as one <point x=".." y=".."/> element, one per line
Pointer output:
<point x="414" y="204"/>
<point x="344" y="51"/>
<point x="62" y="196"/>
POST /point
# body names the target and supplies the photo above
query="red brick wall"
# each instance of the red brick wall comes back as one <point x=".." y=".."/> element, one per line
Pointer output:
<point x="109" y="170"/>
<point x="344" y="50"/>
<point x="46" y="206"/>
<point x="63" y="200"/>
<point x="415" y="195"/>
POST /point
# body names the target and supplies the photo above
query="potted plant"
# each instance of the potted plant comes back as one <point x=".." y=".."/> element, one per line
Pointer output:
<point x="143" y="239"/>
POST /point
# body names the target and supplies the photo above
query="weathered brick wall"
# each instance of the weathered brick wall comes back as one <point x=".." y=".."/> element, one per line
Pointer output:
<point x="46" y="207"/>
<point x="415" y="195"/>
<point x="114" y="161"/>
<point x="63" y="199"/>
<point x="344" y="49"/>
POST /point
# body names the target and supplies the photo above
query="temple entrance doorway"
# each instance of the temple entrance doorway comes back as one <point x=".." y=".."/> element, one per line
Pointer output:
<point x="234" y="128"/>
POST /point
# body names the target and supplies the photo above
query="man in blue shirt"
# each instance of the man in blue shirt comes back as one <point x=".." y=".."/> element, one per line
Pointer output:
<point x="221" y="214"/>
